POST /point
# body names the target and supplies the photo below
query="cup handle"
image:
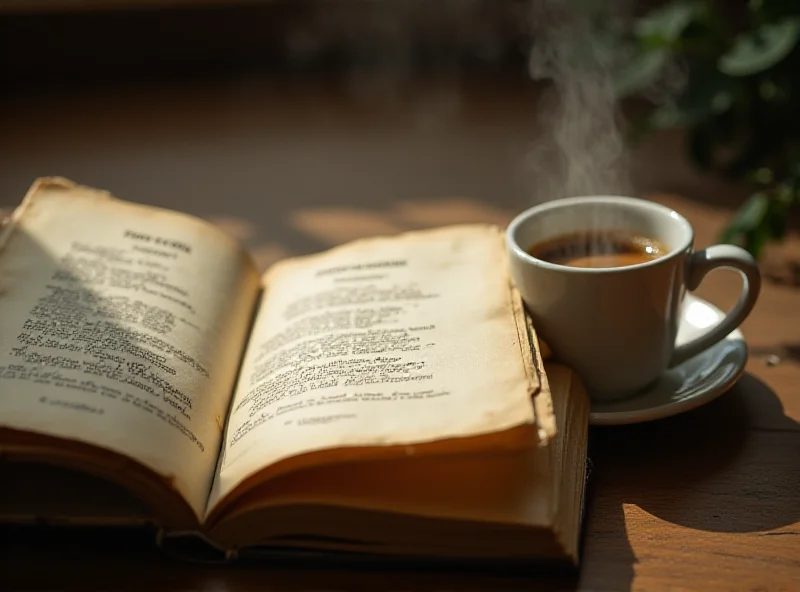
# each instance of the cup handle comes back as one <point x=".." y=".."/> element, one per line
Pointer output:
<point x="699" y="264"/>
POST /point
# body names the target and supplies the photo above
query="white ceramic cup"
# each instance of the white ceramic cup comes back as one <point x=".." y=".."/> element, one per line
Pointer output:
<point x="616" y="327"/>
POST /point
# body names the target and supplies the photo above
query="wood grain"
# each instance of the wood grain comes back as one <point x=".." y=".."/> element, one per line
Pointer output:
<point x="706" y="500"/>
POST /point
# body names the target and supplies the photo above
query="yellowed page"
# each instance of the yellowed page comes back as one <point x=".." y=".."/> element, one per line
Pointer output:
<point x="500" y="489"/>
<point x="383" y="341"/>
<point x="122" y="326"/>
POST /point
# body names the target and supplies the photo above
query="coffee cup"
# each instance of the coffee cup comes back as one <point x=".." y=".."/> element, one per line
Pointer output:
<point x="616" y="326"/>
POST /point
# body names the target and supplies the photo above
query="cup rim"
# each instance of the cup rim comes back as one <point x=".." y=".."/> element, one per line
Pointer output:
<point x="635" y="202"/>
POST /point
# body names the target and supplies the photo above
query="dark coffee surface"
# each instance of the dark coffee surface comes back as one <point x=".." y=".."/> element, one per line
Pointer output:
<point x="598" y="249"/>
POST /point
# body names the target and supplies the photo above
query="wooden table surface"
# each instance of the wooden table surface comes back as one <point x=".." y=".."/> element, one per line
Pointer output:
<point x="706" y="500"/>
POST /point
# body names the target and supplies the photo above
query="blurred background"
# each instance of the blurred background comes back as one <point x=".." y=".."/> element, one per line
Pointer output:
<point x="297" y="125"/>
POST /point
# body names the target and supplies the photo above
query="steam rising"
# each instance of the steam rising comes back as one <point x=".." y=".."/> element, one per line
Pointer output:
<point x="579" y="147"/>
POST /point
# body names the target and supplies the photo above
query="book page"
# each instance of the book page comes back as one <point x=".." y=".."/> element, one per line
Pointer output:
<point x="381" y="342"/>
<point x="122" y="326"/>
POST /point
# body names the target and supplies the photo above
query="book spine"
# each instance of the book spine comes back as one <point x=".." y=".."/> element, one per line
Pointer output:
<point x="194" y="547"/>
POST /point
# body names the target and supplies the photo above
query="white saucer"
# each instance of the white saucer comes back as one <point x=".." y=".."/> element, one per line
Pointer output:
<point x="688" y="385"/>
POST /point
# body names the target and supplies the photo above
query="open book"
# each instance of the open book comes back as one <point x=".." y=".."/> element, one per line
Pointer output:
<point x="386" y="397"/>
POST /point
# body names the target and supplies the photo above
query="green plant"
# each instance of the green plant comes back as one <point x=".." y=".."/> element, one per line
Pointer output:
<point x="740" y="102"/>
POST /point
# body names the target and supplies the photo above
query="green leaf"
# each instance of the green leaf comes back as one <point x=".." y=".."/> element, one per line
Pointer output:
<point x="757" y="239"/>
<point x="777" y="218"/>
<point x="668" y="116"/>
<point x="729" y="236"/>
<point x="777" y="223"/>
<point x="747" y="218"/>
<point x="707" y="94"/>
<point x="761" y="49"/>
<point x="667" y="22"/>
<point x="761" y="176"/>
<point x="640" y="73"/>
<point x="768" y="10"/>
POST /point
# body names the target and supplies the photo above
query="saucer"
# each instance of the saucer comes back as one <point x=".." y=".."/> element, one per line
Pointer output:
<point x="685" y="386"/>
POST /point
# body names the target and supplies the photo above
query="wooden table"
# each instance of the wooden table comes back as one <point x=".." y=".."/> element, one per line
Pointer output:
<point x="706" y="500"/>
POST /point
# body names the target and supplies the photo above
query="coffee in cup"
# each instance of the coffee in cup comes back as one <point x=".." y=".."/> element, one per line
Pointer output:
<point x="598" y="248"/>
<point x="603" y="278"/>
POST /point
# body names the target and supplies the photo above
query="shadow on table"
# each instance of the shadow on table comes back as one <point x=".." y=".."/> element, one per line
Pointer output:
<point x="712" y="469"/>
<point x="707" y="470"/>
<point x="129" y="563"/>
